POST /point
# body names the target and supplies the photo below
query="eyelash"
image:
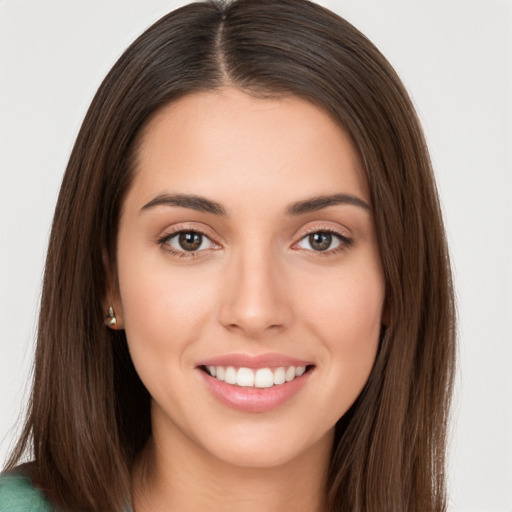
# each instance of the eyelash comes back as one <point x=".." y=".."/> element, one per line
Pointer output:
<point x="345" y="242"/>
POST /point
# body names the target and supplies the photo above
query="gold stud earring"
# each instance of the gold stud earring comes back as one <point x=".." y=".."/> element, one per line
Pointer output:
<point x="111" y="317"/>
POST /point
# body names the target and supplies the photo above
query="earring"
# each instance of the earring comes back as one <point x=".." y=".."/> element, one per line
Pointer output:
<point x="111" y="317"/>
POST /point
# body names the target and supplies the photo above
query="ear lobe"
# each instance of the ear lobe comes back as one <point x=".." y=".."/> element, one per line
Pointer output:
<point x="113" y="320"/>
<point x="111" y="304"/>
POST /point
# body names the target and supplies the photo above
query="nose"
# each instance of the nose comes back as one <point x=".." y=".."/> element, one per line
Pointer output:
<point x="255" y="302"/>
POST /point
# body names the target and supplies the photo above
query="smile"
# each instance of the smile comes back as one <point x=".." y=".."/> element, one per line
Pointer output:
<point x="255" y="383"/>
<point x="255" y="378"/>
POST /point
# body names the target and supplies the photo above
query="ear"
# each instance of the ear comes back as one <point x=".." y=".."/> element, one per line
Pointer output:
<point x="111" y="303"/>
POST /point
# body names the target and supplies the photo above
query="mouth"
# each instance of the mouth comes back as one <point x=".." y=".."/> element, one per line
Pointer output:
<point x="255" y="384"/>
<point x="260" y="378"/>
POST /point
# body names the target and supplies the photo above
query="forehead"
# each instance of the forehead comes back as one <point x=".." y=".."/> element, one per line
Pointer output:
<point x="229" y="144"/>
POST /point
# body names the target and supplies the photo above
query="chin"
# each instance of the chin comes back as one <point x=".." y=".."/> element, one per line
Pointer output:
<point x="267" y="448"/>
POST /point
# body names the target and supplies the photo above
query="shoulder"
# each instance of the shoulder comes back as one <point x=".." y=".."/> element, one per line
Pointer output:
<point x="17" y="494"/>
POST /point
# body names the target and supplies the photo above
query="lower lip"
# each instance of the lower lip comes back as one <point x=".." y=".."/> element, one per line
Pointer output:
<point x="254" y="399"/>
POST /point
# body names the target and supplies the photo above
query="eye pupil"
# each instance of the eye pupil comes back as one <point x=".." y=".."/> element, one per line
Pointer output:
<point x="320" y="241"/>
<point x="190" y="241"/>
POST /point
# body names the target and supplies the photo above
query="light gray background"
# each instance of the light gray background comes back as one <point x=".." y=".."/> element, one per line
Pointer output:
<point x="455" y="58"/>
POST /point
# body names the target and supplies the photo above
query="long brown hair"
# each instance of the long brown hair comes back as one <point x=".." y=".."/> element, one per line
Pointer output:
<point x="89" y="412"/>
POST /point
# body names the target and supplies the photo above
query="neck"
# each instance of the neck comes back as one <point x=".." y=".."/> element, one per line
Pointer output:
<point x="180" y="476"/>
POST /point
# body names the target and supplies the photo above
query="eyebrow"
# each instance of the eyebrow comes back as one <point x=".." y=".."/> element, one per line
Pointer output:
<point x="202" y="204"/>
<point x="320" y="202"/>
<point x="193" y="202"/>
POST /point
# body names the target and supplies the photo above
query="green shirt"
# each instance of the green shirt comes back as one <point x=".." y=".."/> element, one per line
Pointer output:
<point x="17" y="494"/>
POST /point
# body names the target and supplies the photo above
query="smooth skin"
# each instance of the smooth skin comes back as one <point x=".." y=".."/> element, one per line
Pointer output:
<point x="255" y="280"/>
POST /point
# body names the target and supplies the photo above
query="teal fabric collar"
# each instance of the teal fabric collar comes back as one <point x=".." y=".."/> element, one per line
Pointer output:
<point x="17" y="494"/>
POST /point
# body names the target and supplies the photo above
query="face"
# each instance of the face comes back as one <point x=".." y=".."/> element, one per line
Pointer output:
<point x="250" y="283"/>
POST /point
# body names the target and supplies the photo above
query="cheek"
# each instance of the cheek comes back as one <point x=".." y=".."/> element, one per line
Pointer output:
<point x="345" y="315"/>
<point x="346" y="307"/>
<point x="164" y="311"/>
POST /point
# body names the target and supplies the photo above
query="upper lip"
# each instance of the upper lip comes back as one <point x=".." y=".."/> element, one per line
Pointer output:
<point x="254" y="361"/>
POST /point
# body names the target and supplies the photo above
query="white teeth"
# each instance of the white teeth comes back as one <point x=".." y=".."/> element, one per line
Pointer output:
<point x="261" y="378"/>
<point x="220" y="372"/>
<point x="279" y="376"/>
<point x="245" y="377"/>
<point x="230" y="376"/>
<point x="264" y="378"/>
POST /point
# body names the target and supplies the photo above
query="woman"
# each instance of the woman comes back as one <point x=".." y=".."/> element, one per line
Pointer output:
<point x="247" y="299"/>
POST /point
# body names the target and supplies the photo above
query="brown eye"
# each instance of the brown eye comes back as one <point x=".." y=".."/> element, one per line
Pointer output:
<point x="323" y="241"/>
<point x="320" y="241"/>
<point x="190" y="241"/>
<point x="187" y="242"/>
